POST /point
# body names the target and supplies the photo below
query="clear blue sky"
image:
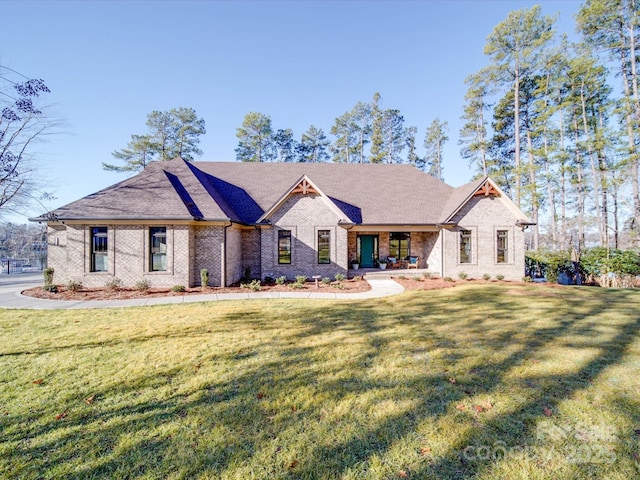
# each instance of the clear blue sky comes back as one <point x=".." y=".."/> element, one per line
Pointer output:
<point x="109" y="64"/>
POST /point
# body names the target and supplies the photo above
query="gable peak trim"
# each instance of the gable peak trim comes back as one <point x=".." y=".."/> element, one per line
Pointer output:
<point x="305" y="187"/>
<point x="487" y="189"/>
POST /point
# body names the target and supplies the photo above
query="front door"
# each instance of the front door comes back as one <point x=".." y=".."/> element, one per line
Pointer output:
<point x="368" y="246"/>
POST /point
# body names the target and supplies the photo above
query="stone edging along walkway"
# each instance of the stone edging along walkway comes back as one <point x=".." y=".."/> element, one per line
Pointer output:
<point x="380" y="287"/>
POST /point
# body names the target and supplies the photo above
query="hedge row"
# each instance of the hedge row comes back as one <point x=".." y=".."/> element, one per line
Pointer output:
<point x="594" y="265"/>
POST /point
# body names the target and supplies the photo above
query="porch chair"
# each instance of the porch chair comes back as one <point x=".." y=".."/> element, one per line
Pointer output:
<point x="413" y="262"/>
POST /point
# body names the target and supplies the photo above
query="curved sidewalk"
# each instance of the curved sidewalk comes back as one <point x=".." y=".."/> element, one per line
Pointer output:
<point x="10" y="296"/>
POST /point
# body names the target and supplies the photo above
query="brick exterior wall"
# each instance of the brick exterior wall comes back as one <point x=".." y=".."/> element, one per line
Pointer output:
<point x="251" y="254"/>
<point x="484" y="216"/>
<point x="304" y="215"/>
<point x="128" y="255"/>
<point x="208" y="244"/>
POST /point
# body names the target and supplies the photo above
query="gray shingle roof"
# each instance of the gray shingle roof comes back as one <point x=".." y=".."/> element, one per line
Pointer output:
<point x="242" y="192"/>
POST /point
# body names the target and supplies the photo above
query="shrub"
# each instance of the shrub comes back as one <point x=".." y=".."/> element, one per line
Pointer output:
<point x="339" y="286"/>
<point x="74" y="285"/>
<point x="326" y="280"/>
<point x="281" y="280"/>
<point x="426" y="275"/>
<point x="296" y="285"/>
<point x="486" y="276"/>
<point x="269" y="280"/>
<point x="499" y="277"/>
<point x="463" y="275"/>
<point x="301" y="279"/>
<point x="417" y="279"/>
<point x="142" y="285"/>
<point x="204" y="277"/>
<point x="113" y="284"/>
<point x="253" y="285"/>
<point x="357" y="278"/>
<point x="527" y="279"/>
<point x="48" y="275"/>
<point x="178" y="288"/>
<point x="448" y="279"/>
<point x="339" y="277"/>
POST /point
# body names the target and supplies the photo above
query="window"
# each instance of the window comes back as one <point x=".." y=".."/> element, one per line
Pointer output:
<point x="99" y="257"/>
<point x="158" y="248"/>
<point x="284" y="246"/>
<point x="465" y="246"/>
<point x="324" y="247"/>
<point x="501" y="246"/>
<point x="399" y="245"/>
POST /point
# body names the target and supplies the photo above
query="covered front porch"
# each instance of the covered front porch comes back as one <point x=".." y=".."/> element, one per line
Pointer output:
<point x="368" y="248"/>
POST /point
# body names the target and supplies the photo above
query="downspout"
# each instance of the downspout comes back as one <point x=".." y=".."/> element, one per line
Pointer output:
<point x="223" y="273"/>
<point x="442" y="230"/>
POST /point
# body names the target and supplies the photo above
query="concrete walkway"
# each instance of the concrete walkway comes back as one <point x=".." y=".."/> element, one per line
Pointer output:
<point x="12" y="285"/>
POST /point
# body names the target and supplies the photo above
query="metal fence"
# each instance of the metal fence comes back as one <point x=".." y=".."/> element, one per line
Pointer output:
<point x="14" y="265"/>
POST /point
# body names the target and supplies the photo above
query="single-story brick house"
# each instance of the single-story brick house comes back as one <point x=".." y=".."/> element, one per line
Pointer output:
<point x="235" y="219"/>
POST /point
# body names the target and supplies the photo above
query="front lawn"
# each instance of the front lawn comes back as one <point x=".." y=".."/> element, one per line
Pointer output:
<point x="493" y="381"/>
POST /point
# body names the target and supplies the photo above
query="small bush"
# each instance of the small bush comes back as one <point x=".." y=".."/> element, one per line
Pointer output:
<point x="48" y="275"/>
<point x="178" y="288"/>
<point x="426" y="275"/>
<point x="402" y="277"/>
<point x="339" y="286"/>
<point x="269" y="281"/>
<point x="204" y="277"/>
<point x="463" y="275"/>
<point x="74" y="285"/>
<point x="253" y="285"/>
<point x="142" y="285"/>
<point x="486" y="276"/>
<point x="448" y="279"/>
<point x="499" y="277"/>
<point x="281" y="280"/>
<point x="301" y="279"/>
<point x="357" y="278"/>
<point x="527" y="279"/>
<point x="296" y="285"/>
<point x="339" y="277"/>
<point x="326" y="280"/>
<point x="113" y="284"/>
<point x="417" y="279"/>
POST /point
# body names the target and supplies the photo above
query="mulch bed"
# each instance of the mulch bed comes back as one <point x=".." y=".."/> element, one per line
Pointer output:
<point x="348" y="286"/>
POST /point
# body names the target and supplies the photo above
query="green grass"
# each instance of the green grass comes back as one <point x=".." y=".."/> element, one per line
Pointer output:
<point x="476" y="381"/>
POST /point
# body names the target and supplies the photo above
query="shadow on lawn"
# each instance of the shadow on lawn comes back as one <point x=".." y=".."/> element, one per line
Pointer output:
<point x="280" y="389"/>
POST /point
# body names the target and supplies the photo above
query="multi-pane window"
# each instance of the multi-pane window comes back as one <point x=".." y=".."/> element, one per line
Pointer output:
<point x="324" y="246"/>
<point x="158" y="248"/>
<point x="465" y="246"/>
<point x="399" y="245"/>
<point x="284" y="246"/>
<point x="99" y="252"/>
<point x="502" y="245"/>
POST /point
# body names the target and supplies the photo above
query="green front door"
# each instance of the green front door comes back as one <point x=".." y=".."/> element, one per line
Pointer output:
<point x="367" y="250"/>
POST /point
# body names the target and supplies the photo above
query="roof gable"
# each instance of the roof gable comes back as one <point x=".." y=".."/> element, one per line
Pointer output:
<point x="482" y="187"/>
<point x="304" y="186"/>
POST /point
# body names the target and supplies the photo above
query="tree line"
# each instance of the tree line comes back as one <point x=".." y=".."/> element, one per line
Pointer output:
<point x="365" y="134"/>
<point x="542" y="119"/>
